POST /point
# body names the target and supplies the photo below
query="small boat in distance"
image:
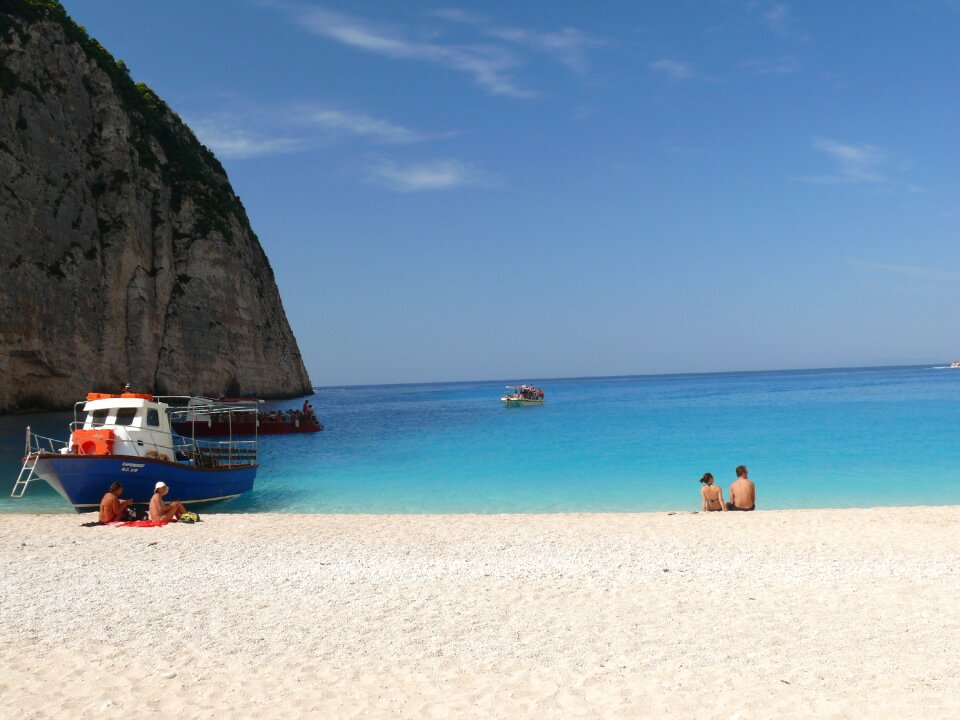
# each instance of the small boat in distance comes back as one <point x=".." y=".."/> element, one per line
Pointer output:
<point x="127" y="438"/>
<point x="195" y="421"/>
<point x="955" y="364"/>
<point x="522" y="396"/>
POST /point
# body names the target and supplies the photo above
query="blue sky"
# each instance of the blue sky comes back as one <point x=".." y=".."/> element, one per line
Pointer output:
<point x="524" y="190"/>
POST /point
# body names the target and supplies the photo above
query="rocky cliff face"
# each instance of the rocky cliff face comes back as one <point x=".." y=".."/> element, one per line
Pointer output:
<point x="124" y="253"/>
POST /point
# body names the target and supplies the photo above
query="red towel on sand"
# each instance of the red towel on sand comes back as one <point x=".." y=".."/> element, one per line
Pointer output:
<point x="144" y="523"/>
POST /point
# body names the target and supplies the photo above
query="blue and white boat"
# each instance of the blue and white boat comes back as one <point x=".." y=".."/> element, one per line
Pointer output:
<point x="127" y="437"/>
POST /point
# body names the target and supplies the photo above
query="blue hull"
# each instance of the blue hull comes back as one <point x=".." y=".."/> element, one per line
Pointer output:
<point x="84" y="479"/>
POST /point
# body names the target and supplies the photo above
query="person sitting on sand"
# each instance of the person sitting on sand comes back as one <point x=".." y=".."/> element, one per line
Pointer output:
<point x="743" y="493"/>
<point x="112" y="507"/>
<point x="161" y="511"/>
<point x="712" y="495"/>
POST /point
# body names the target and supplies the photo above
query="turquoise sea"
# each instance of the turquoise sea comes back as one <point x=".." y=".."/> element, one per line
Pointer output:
<point x="814" y="438"/>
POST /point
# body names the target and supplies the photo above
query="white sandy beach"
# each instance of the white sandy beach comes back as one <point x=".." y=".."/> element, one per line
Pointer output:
<point x="839" y="613"/>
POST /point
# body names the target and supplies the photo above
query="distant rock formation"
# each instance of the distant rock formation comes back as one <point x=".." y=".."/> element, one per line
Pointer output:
<point x="125" y="255"/>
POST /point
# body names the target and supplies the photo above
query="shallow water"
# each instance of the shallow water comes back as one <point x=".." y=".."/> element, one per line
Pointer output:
<point x="818" y="438"/>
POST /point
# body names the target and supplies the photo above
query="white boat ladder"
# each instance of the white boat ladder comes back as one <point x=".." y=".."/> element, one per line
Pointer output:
<point x="26" y="475"/>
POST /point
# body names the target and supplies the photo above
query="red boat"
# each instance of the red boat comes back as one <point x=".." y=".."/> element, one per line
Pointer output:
<point x="251" y="422"/>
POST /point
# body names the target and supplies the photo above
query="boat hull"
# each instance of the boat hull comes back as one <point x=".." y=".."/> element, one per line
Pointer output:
<point x="82" y="480"/>
<point x="515" y="402"/>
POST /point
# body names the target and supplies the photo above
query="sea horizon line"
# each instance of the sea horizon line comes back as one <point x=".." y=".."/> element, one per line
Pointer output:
<point x="706" y="373"/>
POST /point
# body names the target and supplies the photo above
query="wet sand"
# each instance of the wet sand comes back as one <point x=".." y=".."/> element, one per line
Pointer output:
<point x="831" y="613"/>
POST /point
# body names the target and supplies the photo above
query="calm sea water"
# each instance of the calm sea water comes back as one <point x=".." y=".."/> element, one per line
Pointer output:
<point x="823" y="438"/>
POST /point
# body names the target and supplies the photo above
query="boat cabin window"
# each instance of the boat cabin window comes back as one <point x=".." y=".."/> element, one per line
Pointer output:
<point x="153" y="417"/>
<point x="98" y="417"/>
<point x="125" y="416"/>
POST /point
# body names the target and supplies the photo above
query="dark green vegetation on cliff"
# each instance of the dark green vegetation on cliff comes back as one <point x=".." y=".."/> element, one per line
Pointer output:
<point x="112" y="212"/>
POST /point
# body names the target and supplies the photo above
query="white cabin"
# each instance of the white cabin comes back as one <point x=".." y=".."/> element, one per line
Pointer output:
<point x="140" y="425"/>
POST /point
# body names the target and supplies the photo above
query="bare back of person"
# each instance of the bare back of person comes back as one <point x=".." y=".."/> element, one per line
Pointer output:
<point x="713" y="498"/>
<point x="111" y="506"/>
<point x="161" y="511"/>
<point x="711" y="495"/>
<point x="156" y="508"/>
<point x="743" y="494"/>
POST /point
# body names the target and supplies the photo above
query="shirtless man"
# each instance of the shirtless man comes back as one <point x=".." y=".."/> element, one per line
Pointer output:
<point x="160" y="510"/>
<point x="743" y="493"/>
<point x="112" y="507"/>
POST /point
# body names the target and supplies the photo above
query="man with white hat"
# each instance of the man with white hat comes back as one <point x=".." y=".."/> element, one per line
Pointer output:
<point x="161" y="511"/>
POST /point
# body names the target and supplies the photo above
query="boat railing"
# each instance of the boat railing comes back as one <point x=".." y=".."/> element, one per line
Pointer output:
<point x="34" y="447"/>
<point x="183" y="401"/>
<point x="203" y="453"/>
<point x="189" y="407"/>
<point x="215" y="453"/>
<point x="199" y="410"/>
<point x="145" y="446"/>
<point x="42" y="445"/>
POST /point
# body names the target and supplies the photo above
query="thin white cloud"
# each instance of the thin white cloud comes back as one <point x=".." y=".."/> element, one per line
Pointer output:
<point x="249" y="131"/>
<point x="674" y="69"/>
<point x="860" y="163"/>
<point x="491" y="60"/>
<point x="787" y="65"/>
<point x="568" y="46"/>
<point x="362" y="125"/>
<point x="906" y="271"/>
<point x="243" y="135"/>
<point x="433" y="175"/>
<point x="467" y="17"/>
<point x="490" y="66"/>
<point x="237" y="143"/>
<point x="678" y="149"/>
<point x="777" y="17"/>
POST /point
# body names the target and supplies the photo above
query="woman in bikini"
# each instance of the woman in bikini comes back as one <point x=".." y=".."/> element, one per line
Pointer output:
<point x="712" y="495"/>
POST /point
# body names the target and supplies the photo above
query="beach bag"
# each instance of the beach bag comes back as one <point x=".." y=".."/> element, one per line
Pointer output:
<point x="189" y="517"/>
<point x="131" y="514"/>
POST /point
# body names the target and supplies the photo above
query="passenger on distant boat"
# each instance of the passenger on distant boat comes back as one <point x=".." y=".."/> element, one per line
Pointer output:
<point x="112" y="507"/>
<point x="522" y="395"/>
<point x="160" y="510"/>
